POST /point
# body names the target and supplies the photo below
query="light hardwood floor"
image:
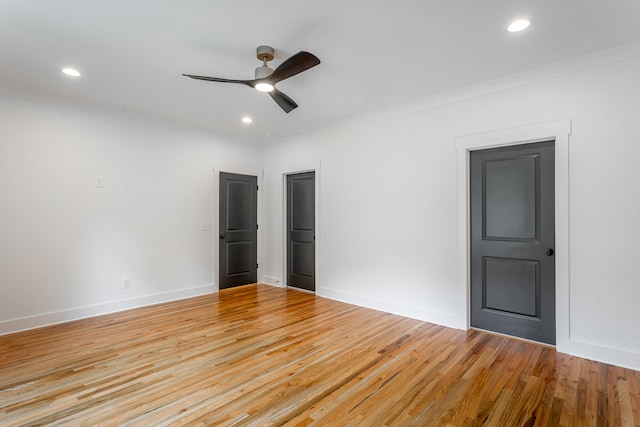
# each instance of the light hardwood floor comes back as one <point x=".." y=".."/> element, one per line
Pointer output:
<point x="258" y="355"/>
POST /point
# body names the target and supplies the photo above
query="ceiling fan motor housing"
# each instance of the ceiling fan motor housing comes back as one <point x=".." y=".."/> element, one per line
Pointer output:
<point x="263" y="72"/>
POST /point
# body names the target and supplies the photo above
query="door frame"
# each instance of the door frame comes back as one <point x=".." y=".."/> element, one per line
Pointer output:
<point x="301" y="167"/>
<point x="215" y="216"/>
<point x="558" y="131"/>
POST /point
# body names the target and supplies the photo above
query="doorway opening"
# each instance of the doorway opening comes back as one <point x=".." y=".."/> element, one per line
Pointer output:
<point x="218" y="229"/>
<point x="512" y="240"/>
<point x="299" y="169"/>
<point x="301" y="231"/>
<point x="238" y="230"/>
<point x="560" y="132"/>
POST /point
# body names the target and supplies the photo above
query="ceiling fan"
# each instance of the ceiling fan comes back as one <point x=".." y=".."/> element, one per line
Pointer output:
<point x="266" y="78"/>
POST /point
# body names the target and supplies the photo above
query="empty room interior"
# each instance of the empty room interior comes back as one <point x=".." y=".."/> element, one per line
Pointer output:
<point x="319" y="213"/>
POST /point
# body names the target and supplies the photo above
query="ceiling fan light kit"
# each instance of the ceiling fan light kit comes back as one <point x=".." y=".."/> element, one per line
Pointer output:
<point x="266" y="78"/>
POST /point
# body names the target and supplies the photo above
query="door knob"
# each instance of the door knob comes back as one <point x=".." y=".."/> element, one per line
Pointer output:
<point x="222" y="236"/>
<point x="549" y="252"/>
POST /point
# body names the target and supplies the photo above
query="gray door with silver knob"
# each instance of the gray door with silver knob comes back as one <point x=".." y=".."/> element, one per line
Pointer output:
<point x="512" y="192"/>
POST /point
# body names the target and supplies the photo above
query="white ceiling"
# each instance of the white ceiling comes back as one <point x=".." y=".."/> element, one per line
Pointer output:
<point x="374" y="54"/>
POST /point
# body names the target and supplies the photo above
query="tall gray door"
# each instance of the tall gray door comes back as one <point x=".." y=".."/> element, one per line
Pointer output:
<point x="512" y="241"/>
<point x="238" y="249"/>
<point x="301" y="231"/>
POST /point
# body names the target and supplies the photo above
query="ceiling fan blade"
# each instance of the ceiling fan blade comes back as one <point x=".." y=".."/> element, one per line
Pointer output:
<point x="217" y="79"/>
<point x="286" y="103"/>
<point x="296" y="64"/>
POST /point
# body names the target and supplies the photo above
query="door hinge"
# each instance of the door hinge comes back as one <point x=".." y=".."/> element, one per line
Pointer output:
<point x="257" y="187"/>
<point x="256" y="265"/>
<point x="257" y="226"/>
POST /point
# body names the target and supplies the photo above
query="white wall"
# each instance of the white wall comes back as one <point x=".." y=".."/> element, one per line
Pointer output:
<point x="389" y="198"/>
<point x="66" y="245"/>
<point x="388" y="203"/>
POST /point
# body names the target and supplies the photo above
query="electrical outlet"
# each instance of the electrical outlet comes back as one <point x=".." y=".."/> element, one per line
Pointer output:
<point x="99" y="182"/>
<point x="271" y="280"/>
<point x="126" y="283"/>
<point x="207" y="226"/>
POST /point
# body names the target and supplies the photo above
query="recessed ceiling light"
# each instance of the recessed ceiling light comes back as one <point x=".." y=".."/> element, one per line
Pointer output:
<point x="246" y="120"/>
<point x="71" y="72"/>
<point x="518" y="25"/>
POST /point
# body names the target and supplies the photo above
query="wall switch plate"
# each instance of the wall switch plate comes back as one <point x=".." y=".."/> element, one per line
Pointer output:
<point x="126" y="184"/>
<point x="99" y="182"/>
<point x="207" y="226"/>
<point x="126" y="283"/>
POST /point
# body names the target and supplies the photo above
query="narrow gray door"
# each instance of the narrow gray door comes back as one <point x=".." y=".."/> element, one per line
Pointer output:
<point x="301" y="231"/>
<point x="238" y="249"/>
<point x="512" y="241"/>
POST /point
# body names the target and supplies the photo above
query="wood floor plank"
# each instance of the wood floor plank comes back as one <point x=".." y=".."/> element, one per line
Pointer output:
<point x="259" y="355"/>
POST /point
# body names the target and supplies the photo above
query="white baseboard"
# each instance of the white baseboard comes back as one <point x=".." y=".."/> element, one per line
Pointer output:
<point x="585" y="350"/>
<point x="599" y="353"/>
<point x="418" y="313"/>
<point x="46" y="319"/>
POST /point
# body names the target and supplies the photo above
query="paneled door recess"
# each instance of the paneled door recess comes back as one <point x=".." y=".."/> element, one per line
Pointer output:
<point x="238" y="249"/>
<point x="512" y="241"/>
<point x="301" y="231"/>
